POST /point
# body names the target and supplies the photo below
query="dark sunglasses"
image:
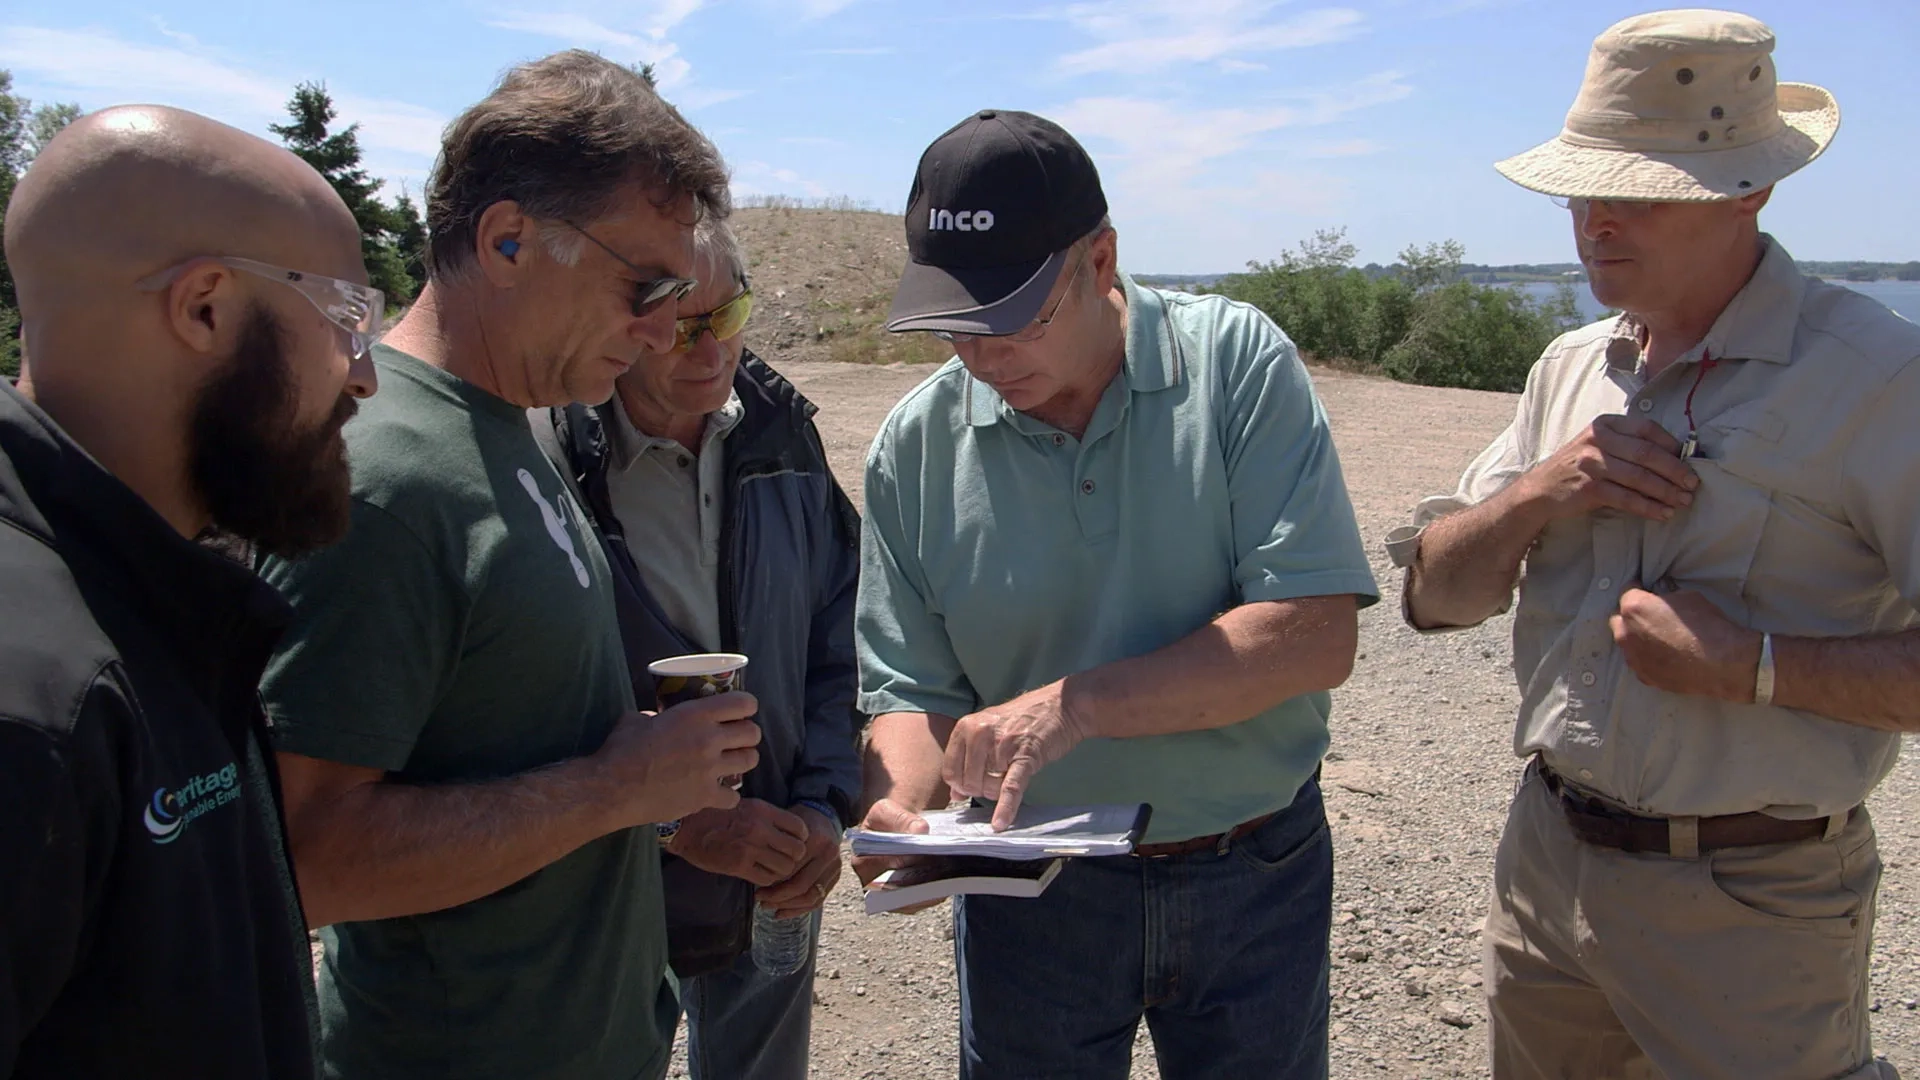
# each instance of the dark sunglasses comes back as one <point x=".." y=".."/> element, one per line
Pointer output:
<point x="648" y="293"/>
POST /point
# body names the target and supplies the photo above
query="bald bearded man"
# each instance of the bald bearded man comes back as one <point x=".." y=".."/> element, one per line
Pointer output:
<point x="196" y="323"/>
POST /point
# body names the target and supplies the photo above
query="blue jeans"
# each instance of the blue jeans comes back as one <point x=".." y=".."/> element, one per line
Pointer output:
<point x="743" y="1024"/>
<point x="1224" y="954"/>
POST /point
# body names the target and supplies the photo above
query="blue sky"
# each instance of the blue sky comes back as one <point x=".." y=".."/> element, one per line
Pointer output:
<point x="1225" y="130"/>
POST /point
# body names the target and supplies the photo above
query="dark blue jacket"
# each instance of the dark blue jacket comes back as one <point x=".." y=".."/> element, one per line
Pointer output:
<point x="789" y="556"/>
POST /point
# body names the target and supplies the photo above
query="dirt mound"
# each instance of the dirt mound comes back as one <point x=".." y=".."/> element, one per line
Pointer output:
<point x="822" y="280"/>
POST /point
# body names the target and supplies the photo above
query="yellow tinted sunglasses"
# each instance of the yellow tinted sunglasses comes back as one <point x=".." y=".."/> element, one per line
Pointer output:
<point x="724" y="321"/>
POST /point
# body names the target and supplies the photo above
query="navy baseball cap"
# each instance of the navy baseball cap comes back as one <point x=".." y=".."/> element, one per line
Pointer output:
<point x="995" y="204"/>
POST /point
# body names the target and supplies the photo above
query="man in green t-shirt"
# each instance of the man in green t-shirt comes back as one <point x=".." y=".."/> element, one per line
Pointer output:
<point x="468" y="790"/>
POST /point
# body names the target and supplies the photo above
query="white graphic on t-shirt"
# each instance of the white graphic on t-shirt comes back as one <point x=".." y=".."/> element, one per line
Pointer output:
<point x="556" y="527"/>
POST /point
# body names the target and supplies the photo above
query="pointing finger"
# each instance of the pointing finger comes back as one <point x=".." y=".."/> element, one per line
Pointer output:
<point x="1012" y="790"/>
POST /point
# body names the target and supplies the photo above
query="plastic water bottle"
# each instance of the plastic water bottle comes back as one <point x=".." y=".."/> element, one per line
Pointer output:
<point x="781" y="946"/>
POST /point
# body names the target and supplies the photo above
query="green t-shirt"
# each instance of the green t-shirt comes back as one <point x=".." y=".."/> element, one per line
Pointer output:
<point x="465" y="630"/>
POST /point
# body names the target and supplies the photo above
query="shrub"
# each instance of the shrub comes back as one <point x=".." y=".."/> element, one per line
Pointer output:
<point x="9" y="344"/>
<point x="1416" y="321"/>
<point x="880" y="347"/>
<point x="1477" y="337"/>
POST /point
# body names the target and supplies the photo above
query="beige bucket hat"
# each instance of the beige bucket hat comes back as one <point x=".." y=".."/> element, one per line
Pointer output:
<point x="1680" y="106"/>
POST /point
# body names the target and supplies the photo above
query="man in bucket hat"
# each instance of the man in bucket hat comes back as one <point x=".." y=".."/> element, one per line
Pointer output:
<point x="1712" y="506"/>
<point x="1108" y="557"/>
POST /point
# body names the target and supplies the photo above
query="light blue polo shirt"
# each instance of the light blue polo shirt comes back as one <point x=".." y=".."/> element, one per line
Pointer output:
<point x="1000" y="554"/>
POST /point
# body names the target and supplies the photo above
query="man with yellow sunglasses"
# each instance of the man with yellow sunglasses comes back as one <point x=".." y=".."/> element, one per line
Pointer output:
<point x="726" y="532"/>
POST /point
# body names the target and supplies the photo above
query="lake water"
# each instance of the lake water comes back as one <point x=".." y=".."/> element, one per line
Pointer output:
<point x="1902" y="296"/>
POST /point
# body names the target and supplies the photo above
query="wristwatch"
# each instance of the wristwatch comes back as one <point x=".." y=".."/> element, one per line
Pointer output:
<point x="665" y="831"/>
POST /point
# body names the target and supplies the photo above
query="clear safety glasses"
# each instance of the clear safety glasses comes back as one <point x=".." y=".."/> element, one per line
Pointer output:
<point x="356" y="309"/>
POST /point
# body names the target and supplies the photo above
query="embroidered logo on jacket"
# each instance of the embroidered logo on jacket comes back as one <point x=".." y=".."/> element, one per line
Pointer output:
<point x="169" y="812"/>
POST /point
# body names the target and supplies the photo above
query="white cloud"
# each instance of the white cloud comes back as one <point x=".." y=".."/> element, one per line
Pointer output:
<point x="645" y="44"/>
<point x="1162" y="156"/>
<point x="760" y="178"/>
<point x="700" y="97"/>
<point x="106" y="69"/>
<point x="629" y="34"/>
<point x="1346" y="148"/>
<point x="1149" y="35"/>
<point x="818" y="9"/>
<point x="183" y="38"/>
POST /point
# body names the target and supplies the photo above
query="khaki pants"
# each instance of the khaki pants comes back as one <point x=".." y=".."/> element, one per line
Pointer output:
<point x="1742" y="964"/>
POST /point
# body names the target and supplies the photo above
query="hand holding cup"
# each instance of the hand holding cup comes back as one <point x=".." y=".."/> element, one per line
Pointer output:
<point x="678" y="679"/>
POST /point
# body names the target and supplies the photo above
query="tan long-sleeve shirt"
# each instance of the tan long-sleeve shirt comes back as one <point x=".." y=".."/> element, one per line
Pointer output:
<point x="1806" y="522"/>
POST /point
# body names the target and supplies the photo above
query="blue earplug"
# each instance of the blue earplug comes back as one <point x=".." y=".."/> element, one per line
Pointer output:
<point x="509" y="248"/>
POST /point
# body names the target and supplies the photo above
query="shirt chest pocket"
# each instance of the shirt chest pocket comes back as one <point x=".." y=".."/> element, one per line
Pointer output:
<point x="1710" y="546"/>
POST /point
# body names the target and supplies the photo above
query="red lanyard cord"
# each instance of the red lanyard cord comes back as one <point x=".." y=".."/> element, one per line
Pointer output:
<point x="1706" y="364"/>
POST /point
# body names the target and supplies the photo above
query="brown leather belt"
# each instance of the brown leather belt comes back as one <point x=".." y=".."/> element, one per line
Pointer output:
<point x="1216" y="842"/>
<point x="1605" y="825"/>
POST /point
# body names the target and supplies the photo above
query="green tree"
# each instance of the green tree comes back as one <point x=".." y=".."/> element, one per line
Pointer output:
<point x="1435" y="264"/>
<point x="46" y="122"/>
<point x="336" y="156"/>
<point x="24" y="130"/>
<point x="1908" y="272"/>
<point x="410" y="239"/>
<point x="1421" y="320"/>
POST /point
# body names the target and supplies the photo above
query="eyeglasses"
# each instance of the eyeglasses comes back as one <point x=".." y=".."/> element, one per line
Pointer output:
<point x="356" y="309"/>
<point x="648" y="293"/>
<point x="1624" y="208"/>
<point x="724" y="321"/>
<point x="1034" y="330"/>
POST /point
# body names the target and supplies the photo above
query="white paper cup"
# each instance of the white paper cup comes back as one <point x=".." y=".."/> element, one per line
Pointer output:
<point x="678" y="679"/>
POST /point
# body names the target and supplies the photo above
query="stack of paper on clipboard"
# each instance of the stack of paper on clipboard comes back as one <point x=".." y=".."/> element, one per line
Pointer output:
<point x="1038" y="832"/>
<point x="960" y="854"/>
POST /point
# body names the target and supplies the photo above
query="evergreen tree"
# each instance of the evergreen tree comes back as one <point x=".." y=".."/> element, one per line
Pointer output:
<point x="336" y="156"/>
<point x="46" y="122"/>
<point x="410" y="239"/>
<point x="24" y="130"/>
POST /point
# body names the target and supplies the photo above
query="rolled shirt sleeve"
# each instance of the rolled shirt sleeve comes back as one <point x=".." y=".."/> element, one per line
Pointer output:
<point x="1294" y="530"/>
<point x="1504" y="460"/>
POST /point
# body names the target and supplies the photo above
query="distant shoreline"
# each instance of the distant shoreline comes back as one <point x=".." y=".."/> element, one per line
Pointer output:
<point x="1840" y="271"/>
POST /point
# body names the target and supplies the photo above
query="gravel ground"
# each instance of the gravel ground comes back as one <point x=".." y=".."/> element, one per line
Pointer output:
<point x="1416" y="787"/>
